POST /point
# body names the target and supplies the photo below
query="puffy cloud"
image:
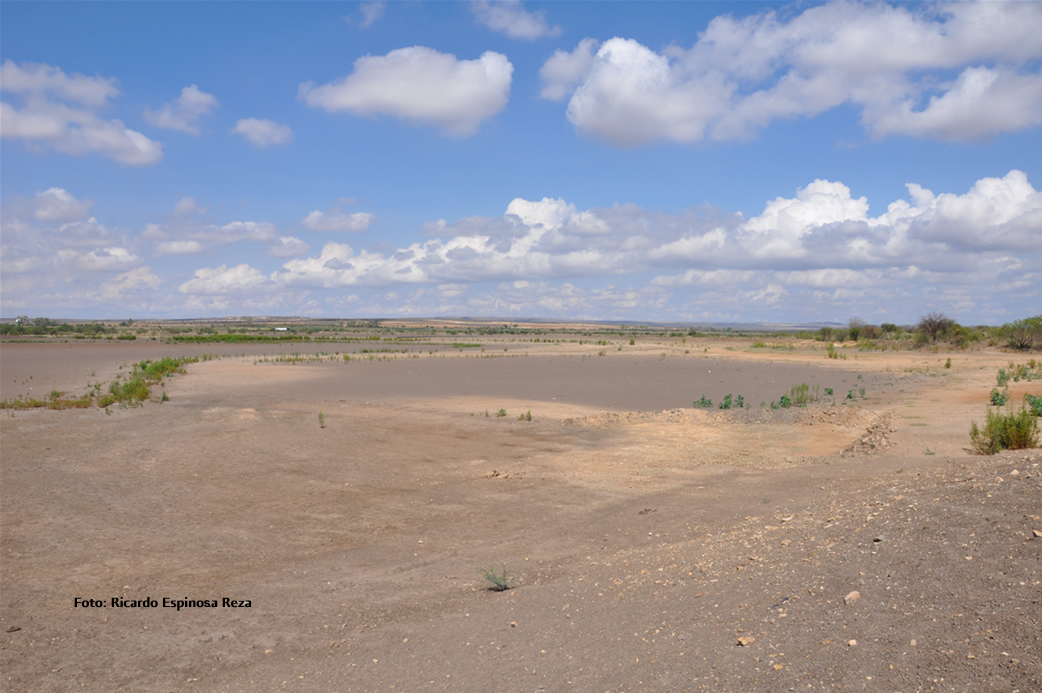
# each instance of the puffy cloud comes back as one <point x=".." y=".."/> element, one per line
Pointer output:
<point x="223" y="280"/>
<point x="56" y="204"/>
<point x="336" y="220"/>
<point x="183" y="113"/>
<point x="511" y="18"/>
<point x="59" y="111"/>
<point x="130" y="285"/>
<point x="563" y="71"/>
<point x="961" y="71"/>
<point x="103" y="259"/>
<point x="287" y="246"/>
<point x="262" y="133"/>
<point x="371" y="11"/>
<point x="420" y="84"/>
<point x="187" y="232"/>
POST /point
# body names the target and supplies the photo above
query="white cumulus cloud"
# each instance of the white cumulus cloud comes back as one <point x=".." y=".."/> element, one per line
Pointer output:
<point x="336" y="220"/>
<point x="221" y="280"/>
<point x="421" y="85"/>
<point x="956" y="71"/>
<point x="60" y="111"/>
<point x="262" y="133"/>
<point x="184" y="112"/>
<point x="511" y="18"/>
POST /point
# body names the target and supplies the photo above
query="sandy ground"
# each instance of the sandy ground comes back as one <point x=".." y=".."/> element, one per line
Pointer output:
<point x="849" y="545"/>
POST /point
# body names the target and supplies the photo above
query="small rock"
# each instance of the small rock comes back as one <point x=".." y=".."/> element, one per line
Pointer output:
<point x="879" y="539"/>
<point x="1014" y="473"/>
<point x="852" y="643"/>
<point x="1037" y="532"/>
<point x="513" y="624"/>
<point x="746" y="641"/>
<point x="913" y="642"/>
<point x="852" y="597"/>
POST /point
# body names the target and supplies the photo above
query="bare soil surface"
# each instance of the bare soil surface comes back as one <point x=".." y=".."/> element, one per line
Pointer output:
<point x="854" y="544"/>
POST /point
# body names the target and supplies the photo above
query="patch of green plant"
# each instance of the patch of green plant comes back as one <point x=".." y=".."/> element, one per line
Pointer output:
<point x="726" y="404"/>
<point x="703" y="403"/>
<point x="1034" y="404"/>
<point x="1015" y="430"/>
<point x="501" y="580"/>
<point x="759" y="344"/>
<point x="948" y="363"/>
<point x="850" y="394"/>
<point x="464" y="345"/>
<point x="999" y="398"/>
<point x="501" y="413"/>
<point x="321" y="420"/>
<point x="801" y="395"/>
<point x="829" y="391"/>
<point x="784" y="402"/>
<point x="1002" y="378"/>
<point x="527" y="416"/>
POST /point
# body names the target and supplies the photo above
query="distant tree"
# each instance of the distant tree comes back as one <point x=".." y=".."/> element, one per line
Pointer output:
<point x="888" y="327"/>
<point x="870" y="332"/>
<point x="826" y="334"/>
<point x="1024" y="334"/>
<point x="855" y="327"/>
<point x="935" y="325"/>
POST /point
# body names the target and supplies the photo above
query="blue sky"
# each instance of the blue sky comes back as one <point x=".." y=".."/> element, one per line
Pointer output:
<point x="639" y="161"/>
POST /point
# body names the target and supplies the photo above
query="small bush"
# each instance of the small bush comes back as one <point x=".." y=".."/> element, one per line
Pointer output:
<point x="501" y="413"/>
<point x="703" y="403"/>
<point x="726" y="404"/>
<point x="321" y="419"/>
<point x="999" y="398"/>
<point x="1034" y="404"/>
<point x="784" y="402"/>
<point x="948" y="363"/>
<point x="501" y="580"/>
<point x="1014" y="430"/>
<point x="829" y="391"/>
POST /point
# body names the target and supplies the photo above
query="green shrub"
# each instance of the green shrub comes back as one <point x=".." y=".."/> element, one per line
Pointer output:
<point x="501" y="580"/>
<point x="829" y="391"/>
<point x="1013" y="430"/>
<point x="726" y="404"/>
<point x="784" y="402"/>
<point x="1034" y="404"/>
<point x="703" y="403"/>
<point x="501" y="413"/>
<point x="1002" y="378"/>
<point x="999" y="398"/>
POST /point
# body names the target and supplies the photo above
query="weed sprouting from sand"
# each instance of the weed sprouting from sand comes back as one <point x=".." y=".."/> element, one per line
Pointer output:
<point x="527" y="416"/>
<point x="165" y="397"/>
<point x="948" y="363"/>
<point x="501" y="413"/>
<point x="1015" y="430"/>
<point x="321" y="420"/>
<point x="703" y="403"/>
<point x="998" y="398"/>
<point x="501" y="579"/>
<point x="829" y="391"/>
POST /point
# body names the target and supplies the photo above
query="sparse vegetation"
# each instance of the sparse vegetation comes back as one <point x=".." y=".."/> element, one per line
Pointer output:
<point x="1015" y="430"/>
<point x="999" y="398"/>
<point x="703" y="403"/>
<point x="321" y="420"/>
<point x="501" y="580"/>
<point x="501" y="413"/>
<point x="1034" y="404"/>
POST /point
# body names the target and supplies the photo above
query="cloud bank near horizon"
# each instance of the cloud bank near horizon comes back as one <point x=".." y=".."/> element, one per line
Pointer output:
<point x="817" y="255"/>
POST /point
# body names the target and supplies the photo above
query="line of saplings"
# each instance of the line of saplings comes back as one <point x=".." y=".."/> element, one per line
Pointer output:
<point x="1022" y="335"/>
